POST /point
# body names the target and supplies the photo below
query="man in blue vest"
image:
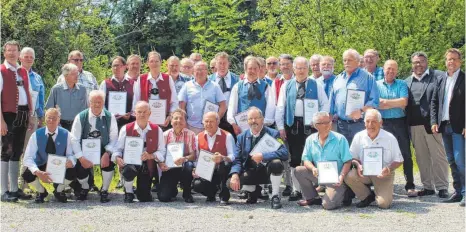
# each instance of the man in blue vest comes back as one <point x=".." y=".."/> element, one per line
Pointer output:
<point x="290" y="115"/>
<point x="95" y="123"/>
<point x="51" y="139"/>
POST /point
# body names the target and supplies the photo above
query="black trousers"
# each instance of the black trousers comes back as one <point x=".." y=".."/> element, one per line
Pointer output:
<point x="219" y="178"/>
<point x="296" y="137"/>
<point x="170" y="179"/>
<point x="13" y="141"/>
<point x="66" y="124"/>
<point x="399" y="128"/>
<point x="260" y="174"/>
<point x="27" y="175"/>
<point x="143" y="181"/>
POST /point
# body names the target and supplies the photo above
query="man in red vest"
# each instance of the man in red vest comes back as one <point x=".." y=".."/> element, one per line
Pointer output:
<point x="16" y="107"/>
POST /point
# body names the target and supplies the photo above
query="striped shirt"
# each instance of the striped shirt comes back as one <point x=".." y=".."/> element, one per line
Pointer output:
<point x="186" y="136"/>
<point x="378" y="73"/>
<point x="398" y="89"/>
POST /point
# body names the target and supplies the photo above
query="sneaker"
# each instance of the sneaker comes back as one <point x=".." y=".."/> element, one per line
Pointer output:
<point x="287" y="191"/>
<point x="275" y="202"/>
<point x="129" y="198"/>
<point x="366" y="202"/>
<point x="40" y="197"/>
<point x="61" y="197"/>
<point x="104" y="197"/>
<point x="6" y="197"/>
<point x="295" y="195"/>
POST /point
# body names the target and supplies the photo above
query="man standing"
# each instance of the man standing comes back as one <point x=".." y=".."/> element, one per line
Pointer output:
<point x="447" y="112"/>
<point x="187" y="68"/>
<point x="212" y="67"/>
<point x="430" y="154"/>
<point x="85" y="78"/>
<point x="134" y="67"/>
<point x="271" y="64"/>
<point x="393" y="100"/>
<point x="314" y="62"/>
<point x="371" y="58"/>
<point x="195" y="57"/>
<point x="173" y="67"/>
<point x="327" y="64"/>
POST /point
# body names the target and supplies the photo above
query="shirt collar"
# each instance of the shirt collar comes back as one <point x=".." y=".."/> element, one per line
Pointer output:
<point x="260" y="132"/>
<point x="379" y="136"/>
<point x="136" y="127"/>
<point x="455" y="74"/>
<point x="423" y="75"/>
<point x="355" y="73"/>
<point x="11" y="67"/>
<point x="91" y="115"/>
<point x="65" y="86"/>
<point x="47" y="131"/>
<point x="159" y="78"/>
<point x="247" y="81"/>
<point x="216" y="133"/>
<point x="125" y="78"/>
<point x="227" y="76"/>
<point x="282" y="77"/>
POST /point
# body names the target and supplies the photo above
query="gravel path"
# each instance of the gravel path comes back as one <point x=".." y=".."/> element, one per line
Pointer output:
<point x="418" y="214"/>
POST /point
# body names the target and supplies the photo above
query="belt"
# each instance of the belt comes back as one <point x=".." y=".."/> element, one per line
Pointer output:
<point x="350" y="121"/>
<point x="23" y="108"/>
<point x="446" y="122"/>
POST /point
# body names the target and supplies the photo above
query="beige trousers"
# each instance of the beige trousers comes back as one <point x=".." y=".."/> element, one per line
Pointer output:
<point x="383" y="187"/>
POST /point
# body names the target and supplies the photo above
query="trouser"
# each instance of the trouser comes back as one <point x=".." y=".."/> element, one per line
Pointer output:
<point x="259" y="174"/>
<point x="33" y="120"/>
<point x="296" y="137"/>
<point x="29" y="177"/>
<point x="399" y="129"/>
<point x="454" y="148"/>
<point x="349" y="128"/>
<point x="86" y="173"/>
<point x="170" y="179"/>
<point x="333" y="197"/>
<point x="219" y="178"/>
<point x="431" y="158"/>
<point x="383" y="187"/>
<point x="143" y="183"/>
<point x="67" y="124"/>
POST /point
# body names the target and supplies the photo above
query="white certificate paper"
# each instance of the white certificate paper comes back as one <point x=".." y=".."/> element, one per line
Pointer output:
<point x="34" y="97"/>
<point x="56" y="167"/>
<point x="242" y="120"/>
<point x="174" y="152"/>
<point x="158" y="110"/>
<point x="117" y="102"/>
<point x="91" y="150"/>
<point x="205" y="165"/>
<point x="311" y="106"/>
<point x="134" y="146"/>
<point x="328" y="172"/>
<point x="266" y="144"/>
<point x="372" y="161"/>
<point x="354" y="100"/>
<point x="210" y="107"/>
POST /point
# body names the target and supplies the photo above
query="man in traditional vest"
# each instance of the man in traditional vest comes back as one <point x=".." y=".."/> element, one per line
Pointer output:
<point x="134" y="63"/>
<point x="221" y="144"/>
<point x="16" y="107"/>
<point x="154" y="150"/>
<point x="290" y="116"/>
<point x="49" y="140"/>
<point x="119" y="82"/>
<point x="95" y="123"/>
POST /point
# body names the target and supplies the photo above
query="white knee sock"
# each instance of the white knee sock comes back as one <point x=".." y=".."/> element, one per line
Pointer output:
<point x="38" y="186"/>
<point x="4" y="176"/>
<point x="249" y="188"/>
<point x="14" y="174"/>
<point x="296" y="186"/>
<point x="275" y="181"/>
<point x="84" y="183"/>
<point x="106" y="180"/>
<point x="62" y="187"/>
<point x="129" y="186"/>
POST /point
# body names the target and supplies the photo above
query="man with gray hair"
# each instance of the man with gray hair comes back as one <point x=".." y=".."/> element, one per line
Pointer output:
<point x="195" y="57"/>
<point x="187" y="68"/>
<point x="325" y="145"/>
<point x="85" y="78"/>
<point x="371" y="58"/>
<point x="69" y="96"/>
<point x="314" y="62"/>
<point x="327" y="67"/>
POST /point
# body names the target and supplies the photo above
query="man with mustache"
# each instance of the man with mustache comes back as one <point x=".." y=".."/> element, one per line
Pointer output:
<point x="134" y="67"/>
<point x="327" y="64"/>
<point x="271" y="64"/>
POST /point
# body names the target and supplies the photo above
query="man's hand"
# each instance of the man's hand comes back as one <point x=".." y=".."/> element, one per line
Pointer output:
<point x="283" y="134"/>
<point x="258" y="157"/>
<point x="385" y="172"/>
<point x="105" y="160"/>
<point x="85" y="163"/>
<point x="434" y="128"/>
<point x="235" y="182"/>
<point x="315" y="172"/>
<point x="355" y="115"/>
<point x="163" y="167"/>
<point x="4" y="127"/>
<point x="69" y="164"/>
<point x="120" y="162"/>
<point x="180" y="161"/>
<point x="359" y="169"/>
<point x="146" y="156"/>
<point x="236" y="129"/>
<point x="43" y="176"/>
<point x="217" y="157"/>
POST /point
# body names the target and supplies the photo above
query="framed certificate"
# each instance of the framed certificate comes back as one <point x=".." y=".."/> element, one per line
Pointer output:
<point x="311" y="106"/>
<point x="205" y="165"/>
<point x="266" y="144"/>
<point x="134" y="147"/>
<point x="91" y="150"/>
<point x="372" y="161"/>
<point x="242" y="120"/>
<point x="158" y="109"/>
<point x="56" y="167"/>
<point x="328" y="172"/>
<point x="210" y="107"/>
<point x="117" y="102"/>
<point x="174" y="152"/>
<point x="354" y="100"/>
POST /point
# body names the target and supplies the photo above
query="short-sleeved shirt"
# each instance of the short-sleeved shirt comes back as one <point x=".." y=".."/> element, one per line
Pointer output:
<point x="378" y="73"/>
<point x="335" y="148"/>
<point x="395" y="90"/>
<point x="71" y="102"/>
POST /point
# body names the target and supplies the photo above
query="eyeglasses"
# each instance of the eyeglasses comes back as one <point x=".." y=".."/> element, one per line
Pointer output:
<point x="77" y="60"/>
<point x="272" y="63"/>
<point x="117" y="65"/>
<point x="322" y="123"/>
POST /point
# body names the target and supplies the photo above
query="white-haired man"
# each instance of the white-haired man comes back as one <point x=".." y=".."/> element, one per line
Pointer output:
<point x="87" y="79"/>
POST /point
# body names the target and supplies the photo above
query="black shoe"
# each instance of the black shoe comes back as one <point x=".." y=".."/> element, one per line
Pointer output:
<point x="295" y="195"/>
<point x="287" y="191"/>
<point x="210" y="199"/>
<point x="94" y="189"/>
<point x="104" y="197"/>
<point x="348" y="198"/>
<point x="443" y="193"/>
<point x="366" y="202"/>
<point x="275" y="202"/>
<point x="120" y="184"/>
<point x="155" y="188"/>
<point x="425" y="192"/>
<point x="224" y="203"/>
<point x="23" y="196"/>
<point x="129" y="197"/>
<point x="243" y="195"/>
<point x="60" y="197"/>
<point x="252" y="198"/>
<point x="7" y="197"/>
<point x="83" y="194"/>
<point x="455" y="197"/>
<point x="189" y="199"/>
<point x="40" y="197"/>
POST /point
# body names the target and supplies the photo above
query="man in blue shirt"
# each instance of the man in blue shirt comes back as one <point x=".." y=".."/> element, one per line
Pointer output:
<point x="371" y="58"/>
<point x="393" y="100"/>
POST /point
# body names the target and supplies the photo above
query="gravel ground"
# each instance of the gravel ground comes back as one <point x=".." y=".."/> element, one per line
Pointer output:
<point x="418" y="214"/>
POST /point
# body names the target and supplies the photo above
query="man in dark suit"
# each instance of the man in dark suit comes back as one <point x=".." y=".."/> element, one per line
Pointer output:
<point x="447" y="117"/>
<point x="249" y="170"/>
<point x="430" y="154"/>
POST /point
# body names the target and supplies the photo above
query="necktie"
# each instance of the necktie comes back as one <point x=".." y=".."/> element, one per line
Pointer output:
<point x="253" y="91"/>
<point x="301" y="90"/>
<point x="223" y="85"/>
<point x="50" y="148"/>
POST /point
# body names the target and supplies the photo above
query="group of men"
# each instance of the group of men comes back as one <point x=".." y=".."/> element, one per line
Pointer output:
<point x="271" y="99"/>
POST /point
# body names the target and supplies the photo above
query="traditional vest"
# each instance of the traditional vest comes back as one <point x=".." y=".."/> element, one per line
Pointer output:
<point x="165" y="91"/>
<point x="278" y="84"/>
<point x="244" y="103"/>
<point x="41" y="140"/>
<point x="291" y="96"/>
<point x="219" y="144"/>
<point x="126" y="86"/>
<point x="10" y="93"/>
<point x="152" y="141"/>
<point x="86" y="126"/>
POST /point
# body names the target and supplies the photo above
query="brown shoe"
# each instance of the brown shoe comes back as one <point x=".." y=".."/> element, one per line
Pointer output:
<point x="315" y="201"/>
<point x="412" y="193"/>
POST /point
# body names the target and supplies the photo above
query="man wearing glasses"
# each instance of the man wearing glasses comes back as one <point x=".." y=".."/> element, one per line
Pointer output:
<point x="84" y="77"/>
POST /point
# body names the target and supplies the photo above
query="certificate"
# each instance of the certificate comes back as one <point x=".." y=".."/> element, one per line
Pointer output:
<point x="174" y="152"/>
<point x="328" y="172"/>
<point x="134" y="146"/>
<point x="354" y="100"/>
<point x="372" y="161"/>
<point x="210" y="107"/>
<point x="34" y="96"/>
<point x="311" y="106"/>
<point x="158" y="109"/>
<point x="56" y="167"/>
<point x="266" y="144"/>
<point x="205" y="165"/>
<point x="117" y="102"/>
<point x="91" y="150"/>
<point x="242" y="120"/>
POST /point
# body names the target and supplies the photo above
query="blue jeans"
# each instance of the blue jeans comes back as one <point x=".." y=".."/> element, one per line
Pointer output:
<point x="454" y="148"/>
<point x="350" y="128"/>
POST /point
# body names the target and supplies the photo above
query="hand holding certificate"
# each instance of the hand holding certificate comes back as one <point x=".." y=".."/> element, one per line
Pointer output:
<point x="117" y="102"/>
<point x="174" y="152"/>
<point x="91" y="150"/>
<point x="328" y="172"/>
<point x="134" y="146"/>
<point x="242" y="120"/>
<point x="354" y="100"/>
<point x="158" y="109"/>
<point x="210" y="107"/>
<point x="311" y="106"/>
<point x="56" y="168"/>
<point x="266" y="144"/>
<point x="372" y="161"/>
<point x="205" y="165"/>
